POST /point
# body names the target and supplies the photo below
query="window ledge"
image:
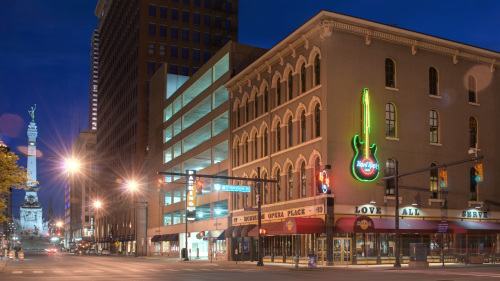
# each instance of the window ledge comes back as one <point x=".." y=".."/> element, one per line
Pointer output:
<point x="436" y="144"/>
<point x="474" y="103"/>
<point x="392" y="138"/>
<point x="473" y="150"/>
<point x="435" y="96"/>
<point x="390" y="197"/>
<point x="392" y="89"/>
<point x="476" y="203"/>
<point x="441" y="201"/>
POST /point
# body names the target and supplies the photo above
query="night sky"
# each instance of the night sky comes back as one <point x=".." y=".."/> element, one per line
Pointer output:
<point x="45" y="54"/>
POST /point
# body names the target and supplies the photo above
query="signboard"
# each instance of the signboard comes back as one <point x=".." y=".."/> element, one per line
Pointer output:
<point x="323" y="182"/>
<point x="233" y="188"/>
<point x="365" y="164"/>
<point x="282" y="214"/>
<point x="442" y="227"/>
<point x="190" y="196"/>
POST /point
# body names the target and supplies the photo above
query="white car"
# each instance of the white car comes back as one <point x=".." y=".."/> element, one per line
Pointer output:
<point x="104" y="252"/>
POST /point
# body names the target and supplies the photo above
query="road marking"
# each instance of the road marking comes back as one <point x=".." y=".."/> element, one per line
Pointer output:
<point x="133" y="269"/>
<point x="37" y="271"/>
<point x="97" y="270"/>
<point x="58" y="271"/>
<point x="17" y="272"/>
<point x="77" y="271"/>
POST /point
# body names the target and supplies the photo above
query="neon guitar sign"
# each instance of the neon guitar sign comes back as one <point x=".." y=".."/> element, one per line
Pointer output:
<point x="365" y="164"/>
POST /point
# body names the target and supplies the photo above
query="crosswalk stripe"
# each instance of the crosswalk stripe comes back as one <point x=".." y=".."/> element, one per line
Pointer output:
<point x="37" y="271"/>
<point x="58" y="271"/>
<point x="17" y="272"/>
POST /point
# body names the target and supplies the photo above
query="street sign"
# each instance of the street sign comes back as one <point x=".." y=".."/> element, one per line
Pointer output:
<point x="442" y="227"/>
<point x="233" y="188"/>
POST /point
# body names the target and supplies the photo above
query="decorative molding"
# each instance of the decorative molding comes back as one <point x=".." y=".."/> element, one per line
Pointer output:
<point x="326" y="30"/>
<point x="257" y="74"/>
<point x="231" y="93"/>
<point x="249" y="82"/>
<point x="368" y="38"/>
<point x="414" y="48"/>
<point x="455" y="57"/>
<point x="280" y="57"/>
<point x="240" y="89"/>
<point x="268" y="66"/>
<point x="492" y="66"/>
<point x="294" y="54"/>
<point x="306" y="41"/>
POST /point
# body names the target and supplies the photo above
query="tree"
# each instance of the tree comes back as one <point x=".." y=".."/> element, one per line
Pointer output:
<point x="11" y="175"/>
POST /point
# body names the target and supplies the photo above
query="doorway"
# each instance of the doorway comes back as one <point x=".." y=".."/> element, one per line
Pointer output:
<point x="321" y="251"/>
<point x="342" y="254"/>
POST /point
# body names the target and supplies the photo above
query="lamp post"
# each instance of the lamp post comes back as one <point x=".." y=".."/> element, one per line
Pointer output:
<point x="140" y="205"/>
<point x="396" y="215"/>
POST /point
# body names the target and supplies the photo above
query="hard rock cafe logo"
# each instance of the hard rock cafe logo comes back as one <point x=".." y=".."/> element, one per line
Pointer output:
<point x="364" y="224"/>
<point x="289" y="225"/>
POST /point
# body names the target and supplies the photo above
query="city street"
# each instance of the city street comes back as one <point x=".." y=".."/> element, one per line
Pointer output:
<point x="63" y="266"/>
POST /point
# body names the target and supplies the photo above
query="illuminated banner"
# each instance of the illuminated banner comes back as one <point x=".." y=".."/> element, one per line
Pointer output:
<point x="190" y="196"/>
<point x="233" y="188"/>
<point x="323" y="182"/>
<point x="365" y="164"/>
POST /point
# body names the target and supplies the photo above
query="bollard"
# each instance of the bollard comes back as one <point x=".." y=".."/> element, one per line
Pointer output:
<point x="21" y="256"/>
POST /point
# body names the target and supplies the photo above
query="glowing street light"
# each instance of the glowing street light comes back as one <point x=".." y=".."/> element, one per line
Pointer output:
<point x="97" y="204"/>
<point x="132" y="185"/>
<point x="72" y="165"/>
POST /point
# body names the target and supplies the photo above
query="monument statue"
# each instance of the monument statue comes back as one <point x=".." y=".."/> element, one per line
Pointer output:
<point x="32" y="113"/>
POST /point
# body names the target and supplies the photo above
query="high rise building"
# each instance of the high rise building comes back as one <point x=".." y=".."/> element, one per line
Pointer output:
<point x="94" y="71"/>
<point x="135" y="39"/>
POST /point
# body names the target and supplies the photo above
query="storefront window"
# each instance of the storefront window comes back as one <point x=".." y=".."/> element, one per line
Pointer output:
<point x="220" y="246"/>
<point x="167" y="219"/>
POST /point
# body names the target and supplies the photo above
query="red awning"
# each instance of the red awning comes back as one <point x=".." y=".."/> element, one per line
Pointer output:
<point x="482" y="227"/>
<point x="292" y="226"/>
<point x="346" y="225"/>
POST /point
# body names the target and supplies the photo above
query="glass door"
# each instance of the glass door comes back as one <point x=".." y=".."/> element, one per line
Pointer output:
<point x="321" y="250"/>
<point x="342" y="251"/>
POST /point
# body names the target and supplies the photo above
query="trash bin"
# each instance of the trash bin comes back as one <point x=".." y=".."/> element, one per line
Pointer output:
<point x="183" y="253"/>
<point x="311" y="262"/>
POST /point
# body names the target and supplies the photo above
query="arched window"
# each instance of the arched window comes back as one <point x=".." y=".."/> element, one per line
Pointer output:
<point x="317" y="121"/>
<point x="390" y="73"/>
<point x="238" y="116"/>
<point x="434" y="126"/>
<point x="256" y="106"/>
<point x="264" y="143"/>
<point x="237" y="154"/>
<point x="255" y="156"/>
<point x="472" y="132"/>
<point x="473" y="184"/>
<point x="303" y="78"/>
<point x="434" y="182"/>
<point x="433" y="81"/>
<point x="303" y="126"/>
<point x="390" y="120"/>
<point x="265" y="189"/>
<point x="390" y="170"/>
<point x="290" y="183"/>
<point x="303" y="180"/>
<point x="278" y="92"/>
<point x="265" y="99"/>
<point x="278" y="185"/>
<point x="290" y="132"/>
<point x="278" y="136"/>
<point x="290" y="85"/>
<point x="317" y="76"/>
<point x="245" y="150"/>
<point x="247" y="110"/>
<point x="472" y="89"/>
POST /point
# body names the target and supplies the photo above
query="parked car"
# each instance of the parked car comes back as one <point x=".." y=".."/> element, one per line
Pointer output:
<point x="51" y="250"/>
<point x="105" y="251"/>
<point x="91" y="252"/>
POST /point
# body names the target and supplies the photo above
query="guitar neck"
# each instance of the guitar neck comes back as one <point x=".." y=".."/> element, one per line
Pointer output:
<point x="366" y="123"/>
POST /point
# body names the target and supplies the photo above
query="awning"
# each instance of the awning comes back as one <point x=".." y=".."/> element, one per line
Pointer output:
<point x="162" y="238"/>
<point x="229" y="232"/>
<point x="237" y="231"/>
<point x="246" y="229"/>
<point x="376" y="225"/>
<point x="155" y="238"/>
<point x="476" y="227"/>
<point x="172" y="237"/>
<point x="291" y="225"/>
<point x="222" y="236"/>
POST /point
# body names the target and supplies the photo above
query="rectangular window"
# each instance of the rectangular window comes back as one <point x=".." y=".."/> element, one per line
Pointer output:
<point x="151" y="67"/>
<point x="167" y="219"/>
<point x="167" y="113"/>
<point x="174" y="32"/>
<point x="177" y="149"/>
<point x="151" y="48"/>
<point x="185" y="53"/>
<point x="206" y="20"/>
<point x="203" y="212"/>
<point x="167" y="155"/>
<point x="177" y="127"/>
<point x="173" y="69"/>
<point x="163" y="12"/>
<point x="152" y="29"/>
<point x="152" y="10"/>
<point x="177" y="104"/>
<point x="206" y="38"/>
<point x="168" y="198"/>
<point x="185" y="70"/>
<point x="206" y="56"/>
<point x="196" y="55"/>
<point x="228" y="6"/>
<point x="178" y="194"/>
<point x="175" y="14"/>
<point x="218" y="40"/>
<point x="218" y="22"/>
<point x="228" y="24"/>
<point x="185" y="16"/>
<point x="185" y="34"/>
<point x="196" y="113"/>
<point x="207" y="4"/>
<point x="198" y="137"/>
<point x="220" y="96"/>
<point x="167" y="134"/>
<point x="196" y="18"/>
<point x="163" y="50"/>
<point x="177" y="218"/>
<point x="173" y="51"/>
<point x="197" y="3"/>
<point x="163" y="31"/>
<point x="220" y="209"/>
<point x="195" y="69"/>
<point x="185" y="2"/>
<point x="221" y="123"/>
<point x="196" y="36"/>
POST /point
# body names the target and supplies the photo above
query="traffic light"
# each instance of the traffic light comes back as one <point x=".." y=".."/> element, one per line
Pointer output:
<point x="443" y="178"/>
<point x="199" y="186"/>
<point x="479" y="172"/>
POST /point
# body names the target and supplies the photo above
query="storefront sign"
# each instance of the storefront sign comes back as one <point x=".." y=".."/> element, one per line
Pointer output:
<point x="410" y="212"/>
<point x="365" y="164"/>
<point x="363" y="224"/>
<point x="191" y="196"/>
<point x="282" y="214"/>
<point x="324" y="182"/>
<point x="368" y="210"/>
<point x="474" y="214"/>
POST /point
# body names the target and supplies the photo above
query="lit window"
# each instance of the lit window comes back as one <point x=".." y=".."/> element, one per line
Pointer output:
<point x="434" y="126"/>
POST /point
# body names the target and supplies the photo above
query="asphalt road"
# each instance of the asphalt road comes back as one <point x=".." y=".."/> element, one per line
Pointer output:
<point x="62" y="266"/>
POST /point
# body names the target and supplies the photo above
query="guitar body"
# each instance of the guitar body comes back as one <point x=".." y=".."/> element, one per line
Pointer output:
<point x="364" y="164"/>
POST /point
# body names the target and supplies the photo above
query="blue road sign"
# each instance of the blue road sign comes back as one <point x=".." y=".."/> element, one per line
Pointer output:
<point x="233" y="188"/>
